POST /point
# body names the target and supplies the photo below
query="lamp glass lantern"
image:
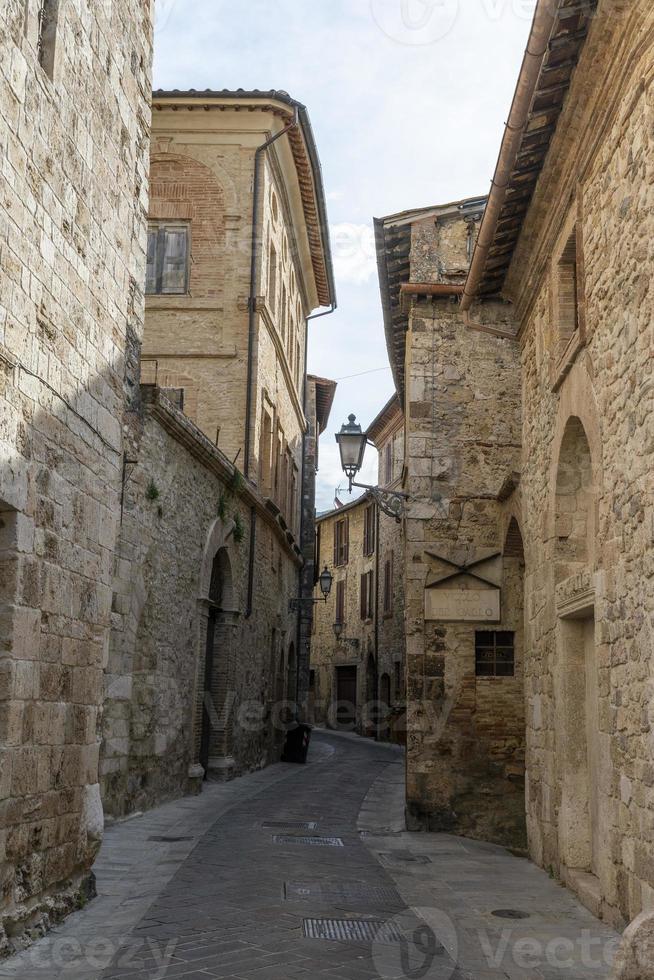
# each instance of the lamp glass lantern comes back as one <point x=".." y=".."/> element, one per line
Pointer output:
<point x="326" y="580"/>
<point x="352" y="443"/>
<point x="338" y="630"/>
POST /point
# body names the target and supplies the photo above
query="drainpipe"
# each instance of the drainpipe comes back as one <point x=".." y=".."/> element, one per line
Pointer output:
<point x="252" y="302"/>
<point x="537" y="46"/>
<point x="377" y="606"/>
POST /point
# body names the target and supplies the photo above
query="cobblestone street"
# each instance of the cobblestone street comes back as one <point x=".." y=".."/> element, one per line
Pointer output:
<point x="230" y="885"/>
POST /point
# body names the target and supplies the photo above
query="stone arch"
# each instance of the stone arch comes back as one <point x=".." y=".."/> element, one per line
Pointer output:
<point x="513" y="542"/>
<point x="218" y="619"/>
<point x="574" y="503"/>
<point x="577" y="400"/>
<point x="185" y="189"/>
<point x="219" y="538"/>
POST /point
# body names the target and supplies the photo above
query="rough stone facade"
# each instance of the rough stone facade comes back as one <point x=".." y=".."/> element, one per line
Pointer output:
<point x="529" y="432"/>
<point x="465" y="740"/>
<point x="181" y="597"/>
<point x="74" y="130"/>
<point x="357" y="677"/>
<point x="587" y="491"/>
<point x="220" y="476"/>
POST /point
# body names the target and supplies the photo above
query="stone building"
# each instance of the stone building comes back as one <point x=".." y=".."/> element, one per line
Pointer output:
<point x="357" y="652"/>
<point x="74" y="132"/>
<point x="219" y="505"/>
<point x="541" y="375"/>
<point x="463" y="604"/>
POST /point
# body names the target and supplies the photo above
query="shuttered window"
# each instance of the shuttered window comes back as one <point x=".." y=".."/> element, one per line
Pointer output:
<point x="341" y="542"/>
<point x="367" y="595"/>
<point x="168" y="259"/>
<point x="340" y="602"/>
<point x="369" y="531"/>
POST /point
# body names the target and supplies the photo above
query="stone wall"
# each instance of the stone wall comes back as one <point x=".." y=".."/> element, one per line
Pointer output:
<point x="186" y="524"/>
<point x="587" y="488"/>
<point x="74" y="120"/>
<point x="465" y="750"/>
<point x="374" y="645"/>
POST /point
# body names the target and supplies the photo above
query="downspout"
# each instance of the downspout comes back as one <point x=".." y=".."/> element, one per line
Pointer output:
<point x="537" y="46"/>
<point x="252" y="303"/>
<point x="377" y="607"/>
<point x="315" y="316"/>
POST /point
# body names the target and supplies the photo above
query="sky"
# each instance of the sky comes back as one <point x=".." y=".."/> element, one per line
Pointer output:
<point x="407" y="100"/>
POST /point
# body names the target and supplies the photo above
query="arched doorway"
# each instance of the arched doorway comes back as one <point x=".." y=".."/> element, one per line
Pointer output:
<point x="577" y="677"/>
<point x="216" y="694"/>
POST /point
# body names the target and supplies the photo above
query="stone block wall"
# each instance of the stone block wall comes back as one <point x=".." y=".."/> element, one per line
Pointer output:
<point x="74" y="121"/>
<point x="465" y="750"/>
<point x="183" y="507"/>
<point x="587" y="489"/>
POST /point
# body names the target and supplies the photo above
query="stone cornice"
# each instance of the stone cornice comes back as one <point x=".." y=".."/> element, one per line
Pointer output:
<point x="186" y="433"/>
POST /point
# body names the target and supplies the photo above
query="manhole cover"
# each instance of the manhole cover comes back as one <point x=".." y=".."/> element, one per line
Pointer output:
<point x="169" y="840"/>
<point x="510" y="914"/>
<point x="312" y="841"/>
<point x="346" y="891"/>
<point x="289" y="825"/>
<point x="352" y="930"/>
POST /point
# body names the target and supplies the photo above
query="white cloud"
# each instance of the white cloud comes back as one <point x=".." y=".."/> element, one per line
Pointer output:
<point x="353" y="248"/>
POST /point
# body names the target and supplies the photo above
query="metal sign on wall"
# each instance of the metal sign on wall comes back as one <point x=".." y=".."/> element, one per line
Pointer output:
<point x="465" y="590"/>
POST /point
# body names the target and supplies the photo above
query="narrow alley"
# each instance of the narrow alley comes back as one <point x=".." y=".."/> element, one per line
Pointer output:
<point x="302" y="872"/>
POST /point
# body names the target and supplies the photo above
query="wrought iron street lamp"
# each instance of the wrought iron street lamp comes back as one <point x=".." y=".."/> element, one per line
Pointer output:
<point x="326" y="580"/>
<point x="352" y="442"/>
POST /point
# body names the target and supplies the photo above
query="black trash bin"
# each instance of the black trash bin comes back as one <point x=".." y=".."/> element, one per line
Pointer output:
<point x="297" y="744"/>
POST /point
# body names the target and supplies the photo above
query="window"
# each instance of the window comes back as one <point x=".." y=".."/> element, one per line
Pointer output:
<point x="495" y="654"/>
<point x="283" y="314"/>
<point x="368" y="596"/>
<point x="265" y="453"/>
<point x="46" y="43"/>
<point x="398" y="680"/>
<point x="341" y="542"/>
<point x="567" y="292"/>
<point x="272" y="279"/>
<point x="388" y="586"/>
<point x="340" y="602"/>
<point x="388" y="463"/>
<point x="369" y="531"/>
<point x="168" y="259"/>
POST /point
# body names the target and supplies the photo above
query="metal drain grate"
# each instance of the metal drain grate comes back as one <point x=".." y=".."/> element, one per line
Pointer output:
<point x="346" y="891"/>
<point x="289" y="825"/>
<point x="352" y="930"/>
<point x="313" y="841"/>
<point x="404" y="857"/>
<point x="169" y="840"/>
<point x="510" y="914"/>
